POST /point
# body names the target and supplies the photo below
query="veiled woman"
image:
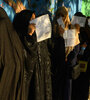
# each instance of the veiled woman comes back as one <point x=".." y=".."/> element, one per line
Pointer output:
<point x="58" y="55"/>
<point x="11" y="61"/>
<point x="37" y="71"/>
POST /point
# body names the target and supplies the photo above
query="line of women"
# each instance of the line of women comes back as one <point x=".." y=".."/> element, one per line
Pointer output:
<point x="31" y="70"/>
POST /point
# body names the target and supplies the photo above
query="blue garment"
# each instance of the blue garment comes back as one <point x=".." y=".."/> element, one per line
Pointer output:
<point x="72" y="57"/>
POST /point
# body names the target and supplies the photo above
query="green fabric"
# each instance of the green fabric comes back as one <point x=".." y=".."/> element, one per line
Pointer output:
<point x="86" y="7"/>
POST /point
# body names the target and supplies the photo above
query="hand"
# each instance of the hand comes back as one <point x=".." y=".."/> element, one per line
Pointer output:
<point x="66" y="59"/>
<point x="31" y="29"/>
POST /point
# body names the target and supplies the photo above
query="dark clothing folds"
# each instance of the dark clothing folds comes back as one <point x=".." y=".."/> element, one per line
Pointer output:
<point x="58" y="68"/>
<point x="81" y="85"/>
<point x="11" y="61"/>
<point x="37" y="69"/>
<point x="71" y="62"/>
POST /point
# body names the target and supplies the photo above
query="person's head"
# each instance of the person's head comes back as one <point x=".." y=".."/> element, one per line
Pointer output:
<point x="21" y="21"/>
<point x="79" y="14"/>
<point x="83" y="36"/>
<point x="63" y="12"/>
<point x="3" y="14"/>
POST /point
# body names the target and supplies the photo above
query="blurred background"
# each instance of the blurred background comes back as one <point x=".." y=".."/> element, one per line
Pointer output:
<point x="41" y="6"/>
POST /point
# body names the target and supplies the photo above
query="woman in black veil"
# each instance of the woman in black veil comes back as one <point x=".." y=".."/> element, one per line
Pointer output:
<point x="37" y="72"/>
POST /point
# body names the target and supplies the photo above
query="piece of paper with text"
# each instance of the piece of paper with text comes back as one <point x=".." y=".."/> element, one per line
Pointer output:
<point x="78" y="20"/>
<point x="43" y="27"/>
<point x="69" y="37"/>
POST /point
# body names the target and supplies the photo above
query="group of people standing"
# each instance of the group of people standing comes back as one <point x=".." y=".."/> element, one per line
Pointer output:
<point x="31" y="70"/>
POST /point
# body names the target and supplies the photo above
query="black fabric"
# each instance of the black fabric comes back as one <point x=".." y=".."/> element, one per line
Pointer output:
<point x="72" y="60"/>
<point x="37" y="71"/>
<point x="21" y="22"/>
<point x="58" y="68"/>
<point x="80" y="88"/>
<point x="11" y="61"/>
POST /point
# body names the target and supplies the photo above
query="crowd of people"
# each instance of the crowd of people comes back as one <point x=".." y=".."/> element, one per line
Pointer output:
<point x="31" y="70"/>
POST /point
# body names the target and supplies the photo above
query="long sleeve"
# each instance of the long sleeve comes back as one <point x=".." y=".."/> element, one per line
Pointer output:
<point x="72" y="57"/>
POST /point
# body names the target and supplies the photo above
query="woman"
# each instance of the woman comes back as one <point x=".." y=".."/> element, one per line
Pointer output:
<point x="11" y="61"/>
<point x="58" y="55"/>
<point x="80" y="88"/>
<point x="37" y="71"/>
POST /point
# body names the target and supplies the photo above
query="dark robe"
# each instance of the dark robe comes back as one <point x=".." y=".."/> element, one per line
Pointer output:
<point x="80" y="86"/>
<point x="11" y="61"/>
<point x="37" y="69"/>
<point x="58" y="68"/>
<point x="37" y="72"/>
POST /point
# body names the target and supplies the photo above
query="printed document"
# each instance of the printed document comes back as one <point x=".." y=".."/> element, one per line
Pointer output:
<point x="43" y="27"/>
<point x="69" y="37"/>
<point x="78" y="20"/>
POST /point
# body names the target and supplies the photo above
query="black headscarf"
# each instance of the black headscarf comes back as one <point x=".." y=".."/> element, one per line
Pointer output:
<point x="21" y="22"/>
<point x="83" y="36"/>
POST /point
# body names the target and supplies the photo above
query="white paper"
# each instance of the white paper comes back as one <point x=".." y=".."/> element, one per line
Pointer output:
<point x="43" y="27"/>
<point x="78" y="20"/>
<point x="60" y="22"/>
<point x="69" y="37"/>
<point x="89" y="22"/>
<point x="69" y="42"/>
<point x="71" y="33"/>
<point x="65" y="34"/>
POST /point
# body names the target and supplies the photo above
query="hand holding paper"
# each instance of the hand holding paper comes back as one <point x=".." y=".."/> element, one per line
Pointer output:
<point x="31" y="29"/>
<point x="78" y="20"/>
<point x="43" y="27"/>
<point x="69" y="36"/>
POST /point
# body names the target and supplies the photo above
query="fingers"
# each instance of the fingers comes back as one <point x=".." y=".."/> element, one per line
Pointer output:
<point x="32" y="26"/>
<point x="31" y="29"/>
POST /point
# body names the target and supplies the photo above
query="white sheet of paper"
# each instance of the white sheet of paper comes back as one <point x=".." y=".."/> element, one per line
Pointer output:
<point x="69" y="33"/>
<point x="89" y="21"/>
<point x="65" y="34"/>
<point x="43" y="27"/>
<point x="69" y="37"/>
<point x="78" y="20"/>
<point x="60" y="22"/>
<point x="70" y="42"/>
